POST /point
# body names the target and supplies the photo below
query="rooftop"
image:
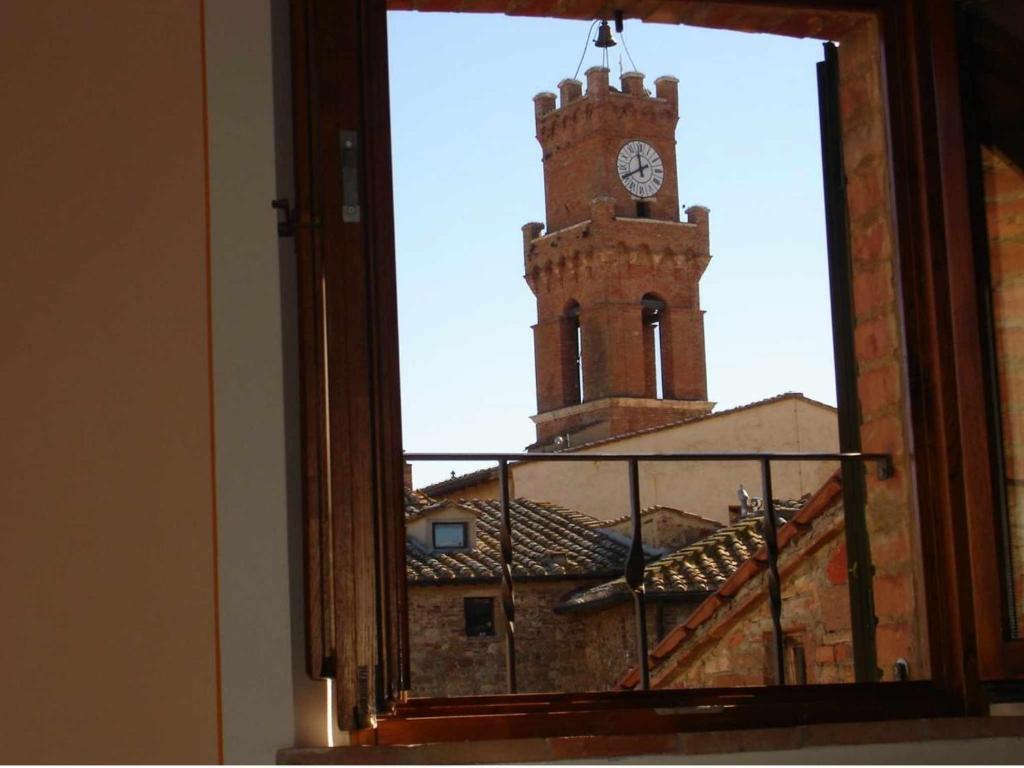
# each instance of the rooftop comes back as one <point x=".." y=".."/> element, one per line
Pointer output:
<point x="695" y="570"/>
<point x="548" y="542"/>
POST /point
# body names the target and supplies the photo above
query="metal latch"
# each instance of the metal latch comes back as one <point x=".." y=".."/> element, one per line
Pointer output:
<point x="286" y="227"/>
<point x="348" y="142"/>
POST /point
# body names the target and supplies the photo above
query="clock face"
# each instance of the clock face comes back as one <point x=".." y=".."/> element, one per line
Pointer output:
<point x="640" y="168"/>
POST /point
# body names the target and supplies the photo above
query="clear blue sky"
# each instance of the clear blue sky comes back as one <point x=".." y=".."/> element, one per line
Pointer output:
<point x="468" y="175"/>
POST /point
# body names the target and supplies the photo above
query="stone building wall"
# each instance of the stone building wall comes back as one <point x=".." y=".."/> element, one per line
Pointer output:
<point x="583" y="651"/>
<point x="733" y="648"/>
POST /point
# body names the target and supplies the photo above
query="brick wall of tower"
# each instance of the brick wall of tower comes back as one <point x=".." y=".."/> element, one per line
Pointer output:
<point x="579" y="136"/>
<point x="601" y="255"/>
<point x="607" y="266"/>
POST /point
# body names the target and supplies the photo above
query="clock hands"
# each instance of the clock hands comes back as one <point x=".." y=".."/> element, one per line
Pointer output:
<point x="636" y="170"/>
<point x="640" y="168"/>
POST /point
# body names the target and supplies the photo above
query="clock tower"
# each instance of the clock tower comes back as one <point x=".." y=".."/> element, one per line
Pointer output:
<point x="619" y="339"/>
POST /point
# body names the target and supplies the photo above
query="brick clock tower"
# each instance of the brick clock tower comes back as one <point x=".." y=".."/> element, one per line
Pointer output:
<point x="619" y="339"/>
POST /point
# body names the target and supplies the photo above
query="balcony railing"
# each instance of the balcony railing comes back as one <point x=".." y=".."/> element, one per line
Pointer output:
<point x="635" y="562"/>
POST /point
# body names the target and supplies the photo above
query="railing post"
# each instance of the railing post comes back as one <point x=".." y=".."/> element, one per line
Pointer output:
<point x="771" y="545"/>
<point x="635" y="574"/>
<point x="508" y="601"/>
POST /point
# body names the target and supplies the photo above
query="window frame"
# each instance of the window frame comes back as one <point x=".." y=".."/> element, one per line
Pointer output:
<point x="352" y="456"/>
<point x="1002" y="655"/>
<point x="463" y="526"/>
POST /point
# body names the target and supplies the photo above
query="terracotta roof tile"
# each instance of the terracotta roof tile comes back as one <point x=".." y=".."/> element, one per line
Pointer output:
<point x="822" y="501"/>
<point x="648" y="511"/>
<point x="698" y="568"/>
<point x="461" y="481"/>
<point x="547" y="542"/>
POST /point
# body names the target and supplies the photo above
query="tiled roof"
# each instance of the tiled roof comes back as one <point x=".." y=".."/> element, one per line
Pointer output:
<point x="432" y="505"/>
<point x="461" y="481"/>
<point x="825" y="499"/>
<point x="701" y="417"/>
<point x="648" y="511"/>
<point x="547" y="542"/>
<point x="696" y="569"/>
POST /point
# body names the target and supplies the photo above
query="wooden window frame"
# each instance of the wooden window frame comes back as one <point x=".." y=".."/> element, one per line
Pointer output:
<point x="1001" y="654"/>
<point x="355" y="574"/>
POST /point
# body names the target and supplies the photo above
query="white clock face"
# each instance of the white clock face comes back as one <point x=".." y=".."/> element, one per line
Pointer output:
<point x="640" y="168"/>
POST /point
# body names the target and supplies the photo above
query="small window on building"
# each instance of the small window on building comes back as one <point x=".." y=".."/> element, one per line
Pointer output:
<point x="652" y="316"/>
<point x="798" y="664"/>
<point x="479" y="616"/>
<point x="558" y="557"/>
<point x="643" y="209"/>
<point x="572" y="355"/>
<point x="450" y="536"/>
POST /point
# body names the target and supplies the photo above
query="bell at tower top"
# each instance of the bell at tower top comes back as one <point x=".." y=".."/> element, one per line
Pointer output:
<point x="609" y="142"/>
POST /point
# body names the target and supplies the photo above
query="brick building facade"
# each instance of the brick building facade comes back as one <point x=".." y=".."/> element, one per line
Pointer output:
<point x="558" y="554"/>
<point x="727" y="640"/>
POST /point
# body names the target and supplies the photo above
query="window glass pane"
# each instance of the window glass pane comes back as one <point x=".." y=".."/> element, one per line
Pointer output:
<point x="602" y="354"/>
<point x="449" y="535"/>
<point x="1004" y="199"/>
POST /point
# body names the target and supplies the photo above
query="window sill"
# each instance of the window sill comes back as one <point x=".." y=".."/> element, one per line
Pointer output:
<point x="1003" y="732"/>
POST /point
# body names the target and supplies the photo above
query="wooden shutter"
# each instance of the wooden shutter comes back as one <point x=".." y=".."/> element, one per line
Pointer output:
<point x="355" y="559"/>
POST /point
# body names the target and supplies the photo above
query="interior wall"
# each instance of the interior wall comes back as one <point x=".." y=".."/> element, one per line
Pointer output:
<point x="269" y="703"/>
<point x="106" y="503"/>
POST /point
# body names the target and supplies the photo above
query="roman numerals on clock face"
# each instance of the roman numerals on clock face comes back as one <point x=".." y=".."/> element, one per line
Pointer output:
<point x="640" y="168"/>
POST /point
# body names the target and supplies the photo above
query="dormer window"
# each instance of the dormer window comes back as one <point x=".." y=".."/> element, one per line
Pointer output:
<point x="449" y="535"/>
<point x="558" y="557"/>
<point x="444" y="526"/>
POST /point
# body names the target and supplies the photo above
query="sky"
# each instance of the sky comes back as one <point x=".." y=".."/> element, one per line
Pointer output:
<point x="468" y="175"/>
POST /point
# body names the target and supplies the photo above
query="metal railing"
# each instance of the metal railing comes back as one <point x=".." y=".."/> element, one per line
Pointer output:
<point x="635" y="561"/>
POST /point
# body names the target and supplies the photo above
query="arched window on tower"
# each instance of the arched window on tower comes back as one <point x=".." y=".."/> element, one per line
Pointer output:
<point x="653" y="314"/>
<point x="572" y="355"/>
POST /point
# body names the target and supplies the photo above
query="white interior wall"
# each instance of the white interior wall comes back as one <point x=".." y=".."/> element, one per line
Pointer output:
<point x="268" y="703"/>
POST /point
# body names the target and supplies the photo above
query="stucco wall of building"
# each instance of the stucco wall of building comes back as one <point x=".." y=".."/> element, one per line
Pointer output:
<point x="705" y="489"/>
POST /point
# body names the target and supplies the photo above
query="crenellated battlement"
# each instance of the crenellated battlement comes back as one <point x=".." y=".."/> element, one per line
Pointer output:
<point x="581" y="129"/>
<point x="568" y="257"/>
<point x="552" y="112"/>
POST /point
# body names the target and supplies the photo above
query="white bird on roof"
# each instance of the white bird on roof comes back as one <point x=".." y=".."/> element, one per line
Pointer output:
<point x="744" y="498"/>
